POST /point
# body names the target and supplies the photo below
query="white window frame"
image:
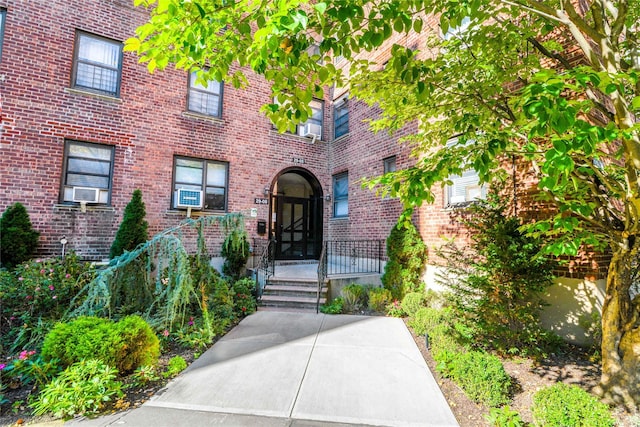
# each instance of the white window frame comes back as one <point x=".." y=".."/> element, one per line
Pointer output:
<point x="316" y="105"/>
<point x="340" y="111"/>
<point x="465" y="188"/>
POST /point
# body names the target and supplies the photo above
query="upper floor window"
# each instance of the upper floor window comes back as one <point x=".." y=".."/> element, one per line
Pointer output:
<point x="313" y="126"/>
<point x="341" y="117"/>
<point x="88" y="172"/>
<point x="205" y="98"/>
<point x="97" y="64"/>
<point x="389" y="164"/>
<point x="3" y="15"/>
<point x="457" y="30"/>
<point x="464" y="188"/>
<point x="208" y="176"/>
<point x="341" y="195"/>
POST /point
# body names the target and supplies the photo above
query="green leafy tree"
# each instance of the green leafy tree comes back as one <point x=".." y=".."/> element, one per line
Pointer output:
<point x="18" y="239"/>
<point x="133" y="229"/>
<point x="554" y="84"/>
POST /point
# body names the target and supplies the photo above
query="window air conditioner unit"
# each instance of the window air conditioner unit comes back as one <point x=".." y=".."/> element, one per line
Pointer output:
<point x="312" y="130"/>
<point x="190" y="199"/>
<point x="86" y="195"/>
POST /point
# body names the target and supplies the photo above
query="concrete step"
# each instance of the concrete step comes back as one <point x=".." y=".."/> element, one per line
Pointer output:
<point x="298" y="302"/>
<point x="300" y="291"/>
<point x="275" y="280"/>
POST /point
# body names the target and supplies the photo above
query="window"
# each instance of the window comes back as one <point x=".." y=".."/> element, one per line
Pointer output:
<point x="205" y="99"/>
<point x="464" y="188"/>
<point x="202" y="175"/>
<point x="97" y="64"/>
<point x="389" y="164"/>
<point x="458" y="30"/>
<point x="341" y="195"/>
<point x="3" y="14"/>
<point x="313" y="125"/>
<point x="341" y="117"/>
<point x="88" y="169"/>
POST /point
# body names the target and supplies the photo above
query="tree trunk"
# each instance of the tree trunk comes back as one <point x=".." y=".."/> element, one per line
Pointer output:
<point x="620" y="382"/>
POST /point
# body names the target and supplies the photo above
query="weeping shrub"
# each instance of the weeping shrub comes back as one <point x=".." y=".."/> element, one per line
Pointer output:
<point x="18" y="239"/>
<point x="407" y="255"/>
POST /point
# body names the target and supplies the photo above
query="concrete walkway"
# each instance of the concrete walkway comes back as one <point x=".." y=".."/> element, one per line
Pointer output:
<point x="297" y="369"/>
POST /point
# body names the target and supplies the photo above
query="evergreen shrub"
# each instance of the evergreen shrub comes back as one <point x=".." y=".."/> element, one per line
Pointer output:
<point x="412" y="302"/>
<point x="235" y="250"/>
<point x="124" y="345"/>
<point x="407" y="255"/>
<point x="497" y="283"/>
<point x="18" y="239"/>
<point x="133" y="228"/>
<point x="481" y="376"/>
<point x="568" y="405"/>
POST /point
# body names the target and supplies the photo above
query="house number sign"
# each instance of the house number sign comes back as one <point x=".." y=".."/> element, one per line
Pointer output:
<point x="298" y="161"/>
<point x="260" y="201"/>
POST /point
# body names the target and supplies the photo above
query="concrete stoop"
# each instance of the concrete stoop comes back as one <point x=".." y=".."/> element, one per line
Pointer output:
<point x="292" y="294"/>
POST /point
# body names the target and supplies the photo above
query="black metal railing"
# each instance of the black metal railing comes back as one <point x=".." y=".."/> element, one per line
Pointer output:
<point x="354" y="256"/>
<point x="322" y="275"/>
<point x="266" y="267"/>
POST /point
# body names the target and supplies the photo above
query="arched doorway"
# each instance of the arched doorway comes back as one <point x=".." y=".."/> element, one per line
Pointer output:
<point x="296" y="215"/>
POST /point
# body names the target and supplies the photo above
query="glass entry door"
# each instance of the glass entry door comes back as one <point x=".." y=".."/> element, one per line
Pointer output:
<point x="292" y="225"/>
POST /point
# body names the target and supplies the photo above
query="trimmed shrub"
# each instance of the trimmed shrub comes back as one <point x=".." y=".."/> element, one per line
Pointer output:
<point x="504" y="417"/>
<point x="138" y="344"/>
<point x="81" y="389"/>
<point x="379" y="299"/>
<point x="426" y="319"/>
<point x="18" y="239"/>
<point x="124" y="345"/>
<point x="481" y="376"/>
<point x="407" y="257"/>
<point x="354" y="296"/>
<point x="568" y="405"/>
<point x="133" y="229"/>
<point x="412" y="302"/>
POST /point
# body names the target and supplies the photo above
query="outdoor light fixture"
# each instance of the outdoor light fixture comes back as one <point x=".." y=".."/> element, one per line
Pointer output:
<point x="265" y="191"/>
<point x="327" y="197"/>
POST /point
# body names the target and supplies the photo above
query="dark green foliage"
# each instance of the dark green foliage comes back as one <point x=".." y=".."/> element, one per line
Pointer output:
<point x="18" y="239"/>
<point x="334" y="307"/>
<point x="562" y="405"/>
<point x="124" y="345"/>
<point x="221" y="304"/>
<point x="82" y="389"/>
<point x="480" y="375"/>
<point x="133" y="229"/>
<point x="412" y="302"/>
<point x="379" y="299"/>
<point x="235" y="250"/>
<point x="35" y="295"/>
<point x="498" y="283"/>
<point x="407" y="255"/>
